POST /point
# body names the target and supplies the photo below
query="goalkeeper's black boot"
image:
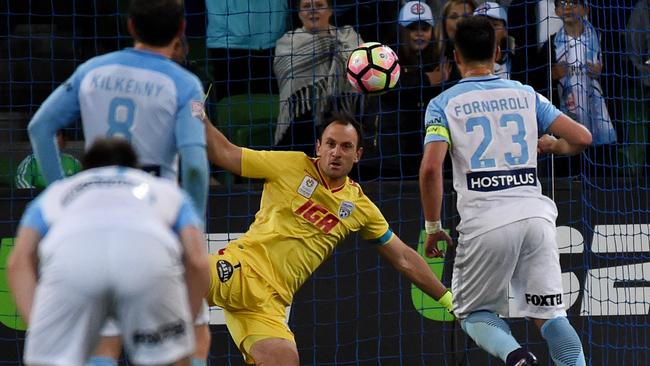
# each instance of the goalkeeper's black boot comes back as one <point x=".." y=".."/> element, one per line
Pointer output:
<point x="521" y="357"/>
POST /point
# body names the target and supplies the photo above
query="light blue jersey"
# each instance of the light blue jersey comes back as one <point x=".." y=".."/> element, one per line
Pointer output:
<point x="492" y="126"/>
<point x="110" y="197"/>
<point x="110" y="246"/>
<point x="138" y="95"/>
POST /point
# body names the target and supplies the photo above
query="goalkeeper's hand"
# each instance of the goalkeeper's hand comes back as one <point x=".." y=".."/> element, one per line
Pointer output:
<point x="431" y="245"/>
<point x="447" y="301"/>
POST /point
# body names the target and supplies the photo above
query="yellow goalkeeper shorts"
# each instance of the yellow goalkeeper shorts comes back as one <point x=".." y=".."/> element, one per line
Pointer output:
<point x="252" y="308"/>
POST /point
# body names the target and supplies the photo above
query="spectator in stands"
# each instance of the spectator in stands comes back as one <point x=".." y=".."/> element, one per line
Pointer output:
<point x="576" y="66"/>
<point x="240" y="37"/>
<point x="418" y="50"/>
<point x="400" y="131"/>
<point x="638" y="40"/>
<point x="498" y="16"/>
<point x="452" y="12"/>
<point x="310" y="67"/>
<point x="28" y="174"/>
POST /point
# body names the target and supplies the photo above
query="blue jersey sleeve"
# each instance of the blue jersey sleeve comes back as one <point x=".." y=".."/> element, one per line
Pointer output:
<point x="187" y="216"/>
<point x="546" y="113"/>
<point x="59" y="110"/>
<point x="33" y="218"/>
<point x="189" y="119"/>
<point x="436" y="126"/>
<point x="190" y="141"/>
<point x="194" y="175"/>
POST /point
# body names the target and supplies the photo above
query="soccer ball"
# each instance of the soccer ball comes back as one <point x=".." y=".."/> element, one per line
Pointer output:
<point x="373" y="68"/>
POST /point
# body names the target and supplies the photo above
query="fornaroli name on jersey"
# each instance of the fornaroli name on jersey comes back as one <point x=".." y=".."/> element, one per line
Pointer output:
<point x="497" y="180"/>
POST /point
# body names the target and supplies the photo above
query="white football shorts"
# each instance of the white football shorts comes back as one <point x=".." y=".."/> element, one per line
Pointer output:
<point x="112" y="329"/>
<point x="92" y="275"/>
<point x="523" y="253"/>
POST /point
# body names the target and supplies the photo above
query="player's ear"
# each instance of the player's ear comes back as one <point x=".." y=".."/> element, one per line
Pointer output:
<point x="181" y="29"/>
<point x="131" y="28"/>
<point x="317" y="147"/>
<point x="497" y="53"/>
<point x="359" y="153"/>
<point x="457" y="57"/>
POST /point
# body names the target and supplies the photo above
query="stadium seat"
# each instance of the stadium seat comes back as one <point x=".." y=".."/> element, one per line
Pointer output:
<point x="248" y="120"/>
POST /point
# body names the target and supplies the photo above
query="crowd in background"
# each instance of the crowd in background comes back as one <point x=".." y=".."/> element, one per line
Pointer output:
<point x="309" y="61"/>
<point x="296" y="51"/>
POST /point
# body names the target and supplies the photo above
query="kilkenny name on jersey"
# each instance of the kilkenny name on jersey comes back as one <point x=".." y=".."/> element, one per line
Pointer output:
<point x="497" y="180"/>
<point x="491" y="105"/>
<point x="318" y="216"/>
<point x="126" y="85"/>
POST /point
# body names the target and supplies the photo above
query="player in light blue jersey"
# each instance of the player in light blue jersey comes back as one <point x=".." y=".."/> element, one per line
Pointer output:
<point x="143" y="96"/>
<point x="138" y="94"/>
<point x="139" y="255"/>
<point x="492" y="128"/>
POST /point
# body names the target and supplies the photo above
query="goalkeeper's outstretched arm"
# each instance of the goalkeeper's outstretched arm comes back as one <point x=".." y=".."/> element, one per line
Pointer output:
<point x="409" y="263"/>
<point x="221" y="151"/>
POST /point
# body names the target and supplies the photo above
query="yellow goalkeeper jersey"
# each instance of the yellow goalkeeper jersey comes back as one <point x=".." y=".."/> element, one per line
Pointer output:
<point x="301" y="219"/>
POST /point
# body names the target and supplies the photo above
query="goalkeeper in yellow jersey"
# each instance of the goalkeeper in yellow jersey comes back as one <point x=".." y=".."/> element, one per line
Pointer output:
<point x="308" y="206"/>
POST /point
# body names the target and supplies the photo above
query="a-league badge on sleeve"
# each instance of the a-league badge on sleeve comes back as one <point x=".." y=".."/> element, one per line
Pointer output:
<point x="197" y="109"/>
<point x="307" y="187"/>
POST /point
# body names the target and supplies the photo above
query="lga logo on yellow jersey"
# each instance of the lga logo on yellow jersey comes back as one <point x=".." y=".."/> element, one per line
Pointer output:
<point x="317" y="215"/>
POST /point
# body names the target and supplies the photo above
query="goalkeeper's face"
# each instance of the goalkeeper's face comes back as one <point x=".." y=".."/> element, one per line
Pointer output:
<point x="338" y="151"/>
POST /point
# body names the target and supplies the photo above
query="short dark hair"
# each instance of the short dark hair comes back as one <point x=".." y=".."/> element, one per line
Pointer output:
<point x="342" y="118"/>
<point x="156" y="22"/>
<point x="475" y="39"/>
<point x="110" y="151"/>
<point x="577" y="2"/>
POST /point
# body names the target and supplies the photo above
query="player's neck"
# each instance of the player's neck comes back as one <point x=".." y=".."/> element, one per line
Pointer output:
<point x="332" y="183"/>
<point x="478" y="70"/>
<point x="166" y="51"/>
<point x="335" y="184"/>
